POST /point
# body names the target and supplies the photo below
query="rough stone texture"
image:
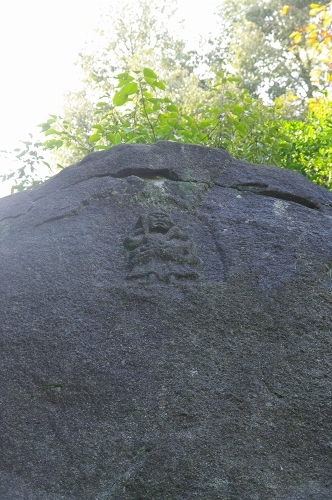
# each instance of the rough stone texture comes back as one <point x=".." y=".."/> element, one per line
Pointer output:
<point x="166" y="331"/>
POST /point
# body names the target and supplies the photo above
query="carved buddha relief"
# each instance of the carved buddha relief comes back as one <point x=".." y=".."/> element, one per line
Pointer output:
<point x="159" y="250"/>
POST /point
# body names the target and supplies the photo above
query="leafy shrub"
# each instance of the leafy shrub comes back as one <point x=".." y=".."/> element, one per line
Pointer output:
<point x="229" y="118"/>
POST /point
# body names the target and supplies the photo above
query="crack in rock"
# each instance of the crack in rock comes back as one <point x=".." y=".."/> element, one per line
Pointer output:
<point x="262" y="189"/>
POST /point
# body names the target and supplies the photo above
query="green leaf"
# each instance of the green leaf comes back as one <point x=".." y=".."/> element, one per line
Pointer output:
<point x="241" y="127"/>
<point x="135" y="139"/>
<point x="124" y="76"/>
<point x="172" y="107"/>
<point x="51" y="131"/>
<point x="148" y="73"/>
<point x="44" y="126"/>
<point x="160" y="85"/>
<point x="114" y="138"/>
<point x="117" y="139"/>
<point x="150" y="81"/>
<point x="204" y="124"/>
<point x="94" y="138"/>
<point x="98" y="127"/>
<point x="237" y="109"/>
<point x="52" y="144"/>
<point x="186" y="133"/>
<point x="120" y="98"/>
<point x="130" y="88"/>
<point x="154" y="99"/>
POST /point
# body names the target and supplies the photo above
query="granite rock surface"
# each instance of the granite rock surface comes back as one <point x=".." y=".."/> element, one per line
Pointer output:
<point x="166" y="330"/>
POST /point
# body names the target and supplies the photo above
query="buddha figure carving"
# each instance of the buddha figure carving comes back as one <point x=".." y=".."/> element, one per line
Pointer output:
<point x="160" y="250"/>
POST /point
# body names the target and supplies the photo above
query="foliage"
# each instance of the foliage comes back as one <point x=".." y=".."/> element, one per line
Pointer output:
<point x="316" y="38"/>
<point x="309" y="146"/>
<point x="132" y="35"/>
<point x="255" y="43"/>
<point x="129" y="37"/>
<point x="27" y="175"/>
<point x="140" y="112"/>
<point x="261" y="42"/>
<point x="77" y="118"/>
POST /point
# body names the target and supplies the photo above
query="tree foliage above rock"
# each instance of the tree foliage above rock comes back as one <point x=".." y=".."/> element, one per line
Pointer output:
<point x="141" y="85"/>
<point x="257" y="35"/>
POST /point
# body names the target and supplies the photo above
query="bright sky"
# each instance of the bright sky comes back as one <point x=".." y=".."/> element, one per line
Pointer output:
<point x="39" y="44"/>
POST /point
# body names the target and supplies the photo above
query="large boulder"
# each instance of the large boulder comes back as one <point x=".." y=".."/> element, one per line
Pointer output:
<point x="166" y="331"/>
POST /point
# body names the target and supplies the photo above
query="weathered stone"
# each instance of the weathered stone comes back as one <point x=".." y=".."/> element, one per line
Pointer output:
<point x="166" y="331"/>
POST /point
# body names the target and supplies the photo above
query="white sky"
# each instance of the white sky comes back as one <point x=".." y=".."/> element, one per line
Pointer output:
<point x="39" y="44"/>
